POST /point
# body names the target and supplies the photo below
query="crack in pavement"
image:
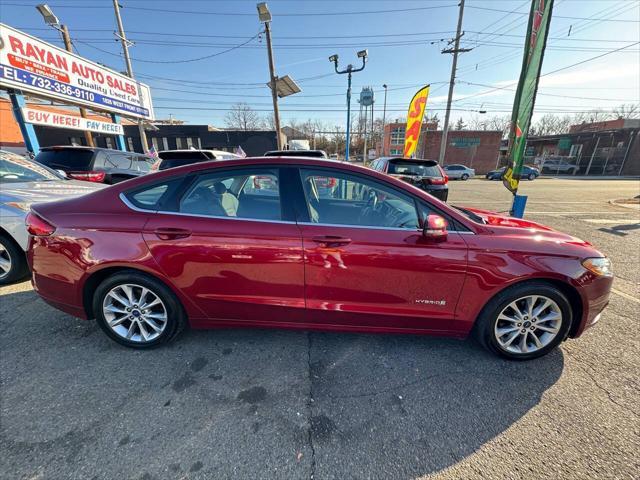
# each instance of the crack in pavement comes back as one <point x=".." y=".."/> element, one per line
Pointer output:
<point x="310" y="409"/>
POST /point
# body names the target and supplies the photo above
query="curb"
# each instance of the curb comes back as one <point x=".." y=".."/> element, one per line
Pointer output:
<point x="632" y="206"/>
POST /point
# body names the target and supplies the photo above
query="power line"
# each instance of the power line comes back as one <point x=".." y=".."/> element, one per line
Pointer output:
<point x="560" y="16"/>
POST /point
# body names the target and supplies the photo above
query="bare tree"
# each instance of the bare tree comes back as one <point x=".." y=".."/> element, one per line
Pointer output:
<point x="551" y="124"/>
<point x="460" y="125"/>
<point x="242" y="117"/>
<point x="627" y="111"/>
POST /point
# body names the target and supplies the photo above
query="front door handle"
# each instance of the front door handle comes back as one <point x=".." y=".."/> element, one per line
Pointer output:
<point x="170" y="233"/>
<point x="331" y="240"/>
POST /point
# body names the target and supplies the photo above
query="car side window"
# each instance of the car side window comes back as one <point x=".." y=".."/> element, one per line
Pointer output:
<point x="151" y="197"/>
<point x="248" y="193"/>
<point x="340" y="198"/>
<point x="119" y="161"/>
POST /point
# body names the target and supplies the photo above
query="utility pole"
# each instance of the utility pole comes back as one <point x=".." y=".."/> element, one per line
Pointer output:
<point x="274" y="90"/>
<point x="125" y="48"/>
<point x="384" y="116"/>
<point x="83" y="111"/>
<point x="455" y="50"/>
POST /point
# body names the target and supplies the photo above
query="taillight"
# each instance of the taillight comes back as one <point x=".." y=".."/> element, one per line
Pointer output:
<point x="93" y="176"/>
<point x="38" y="227"/>
<point x="440" y="181"/>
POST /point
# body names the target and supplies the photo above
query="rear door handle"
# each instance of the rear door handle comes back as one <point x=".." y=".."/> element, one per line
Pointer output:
<point x="170" y="233"/>
<point x="331" y="240"/>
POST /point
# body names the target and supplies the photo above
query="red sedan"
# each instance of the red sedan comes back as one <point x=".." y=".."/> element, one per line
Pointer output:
<point x="309" y="244"/>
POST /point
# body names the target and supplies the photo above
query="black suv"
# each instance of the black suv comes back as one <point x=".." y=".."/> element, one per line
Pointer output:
<point x="424" y="174"/>
<point x="91" y="164"/>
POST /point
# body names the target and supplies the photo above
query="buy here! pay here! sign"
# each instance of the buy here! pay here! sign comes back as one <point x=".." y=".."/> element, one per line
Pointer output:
<point x="39" y="68"/>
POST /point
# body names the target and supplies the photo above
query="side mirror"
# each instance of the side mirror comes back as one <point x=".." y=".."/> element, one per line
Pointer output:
<point x="435" y="228"/>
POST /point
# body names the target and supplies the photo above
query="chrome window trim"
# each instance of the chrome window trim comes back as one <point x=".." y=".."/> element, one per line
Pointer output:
<point x="218" y="217"/>
<point x="370" y="227"/>
<point x="128" y="203"/>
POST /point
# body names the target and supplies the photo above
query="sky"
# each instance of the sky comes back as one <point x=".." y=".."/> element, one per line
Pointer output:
<point x="404" y="40"/>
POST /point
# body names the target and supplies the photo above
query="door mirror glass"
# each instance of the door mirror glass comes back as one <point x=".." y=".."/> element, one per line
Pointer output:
<point x="435" y="228"/>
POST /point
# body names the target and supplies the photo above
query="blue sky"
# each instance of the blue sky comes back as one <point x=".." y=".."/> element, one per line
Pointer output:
<point x="404" y="52"/>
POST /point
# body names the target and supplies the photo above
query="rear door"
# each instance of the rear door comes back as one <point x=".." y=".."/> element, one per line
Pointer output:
<point x="366" y="261"/>
<point x="229" y="241"/>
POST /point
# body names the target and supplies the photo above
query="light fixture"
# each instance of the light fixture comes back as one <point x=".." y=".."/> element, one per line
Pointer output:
<point x="263" y="12"/>
<point x="363" y="53"/>
<point x="333" y="58"/>
<point x="47" y="14"/>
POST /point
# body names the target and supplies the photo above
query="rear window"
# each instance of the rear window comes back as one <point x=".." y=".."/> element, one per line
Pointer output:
<point x="177" y="159"/>
<point x="66" y="159"/>
<point x="416" y="167"/>
<point x="296" y="153"/>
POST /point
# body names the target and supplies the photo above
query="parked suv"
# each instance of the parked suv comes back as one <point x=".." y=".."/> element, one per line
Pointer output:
<point x="424" y="174"/>
<point x="101" y="165"/>
<point x="459" y="172"/>
<point x="178" y="158"/>
<point x="558" y="165"/>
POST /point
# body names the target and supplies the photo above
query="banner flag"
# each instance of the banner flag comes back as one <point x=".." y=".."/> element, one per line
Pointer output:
<point x="535" y="43"/>
<point x="414" y="121"/>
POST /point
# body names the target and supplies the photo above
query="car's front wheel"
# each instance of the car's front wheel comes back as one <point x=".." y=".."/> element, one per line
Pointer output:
<point x="138" y="311"/>
<point x="525" y="321"/>
<point x="532" y="176"/>
<point x="13" y="262"/>
<point x="464" y="176"/>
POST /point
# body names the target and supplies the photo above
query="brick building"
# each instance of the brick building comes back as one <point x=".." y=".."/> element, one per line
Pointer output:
<point x="477" y="149"/>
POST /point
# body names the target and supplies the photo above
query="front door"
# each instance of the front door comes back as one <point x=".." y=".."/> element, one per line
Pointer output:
<point x="232" y="248"/>
<point x="366" y="261"/>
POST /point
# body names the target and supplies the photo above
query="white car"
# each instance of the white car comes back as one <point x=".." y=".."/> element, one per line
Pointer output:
<point x="22" y="183"/>
<point x="459" y="172"/>
<point x="178" y="158"/>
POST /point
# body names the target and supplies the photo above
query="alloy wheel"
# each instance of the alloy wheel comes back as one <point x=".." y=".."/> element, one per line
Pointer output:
<point x="5" y="261"/>
<point x="134" y="313"/>
<point x="528" y="324"/>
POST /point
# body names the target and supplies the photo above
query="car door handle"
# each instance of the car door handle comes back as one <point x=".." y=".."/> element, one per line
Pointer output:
<point x="331" y="240"/>
<point x="170" y="233"/>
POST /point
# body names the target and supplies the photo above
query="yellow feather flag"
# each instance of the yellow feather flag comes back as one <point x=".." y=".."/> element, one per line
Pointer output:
<point x="414" y="121"/>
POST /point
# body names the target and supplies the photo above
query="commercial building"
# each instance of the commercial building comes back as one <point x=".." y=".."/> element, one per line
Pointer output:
<point x="477" y="149"/>
<point x="162" y="136"/>
<point x="602" y="148"/>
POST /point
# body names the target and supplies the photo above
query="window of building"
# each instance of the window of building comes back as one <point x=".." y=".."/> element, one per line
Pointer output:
<point x="178" y="143"/>
<point x="165" y="143"/>
<point x="109" y="142"/>
<point x="189" y="142"/>
<point x="397" y="136"/>
<point x="155" y="143"/>
<point x="130" y="144"/>
<point x="396" y="151"/>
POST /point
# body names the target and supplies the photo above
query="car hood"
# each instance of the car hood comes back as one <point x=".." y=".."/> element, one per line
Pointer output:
<point x="49" y="191"/>
<point x="526" y="228"/>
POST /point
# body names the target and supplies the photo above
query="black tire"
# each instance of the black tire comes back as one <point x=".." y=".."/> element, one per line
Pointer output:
<point x="12" y="252"/>
<point x="532" y="176"/>
<point x="464" y="177"/>
<point x="484" y="326"/>
<point x="176" y="316"/>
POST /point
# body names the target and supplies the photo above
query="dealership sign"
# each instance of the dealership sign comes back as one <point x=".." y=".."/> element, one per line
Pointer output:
<point x="41" y="69"/>
<point x="52" y="119"/>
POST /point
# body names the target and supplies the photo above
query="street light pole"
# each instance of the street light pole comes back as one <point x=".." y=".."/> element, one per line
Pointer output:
<point x="349" y="70"/>
<point x="127" y="59"/>
<point x="265" y="17"/>
<point x="52" y="20"/>
<point x="274" y="90"/>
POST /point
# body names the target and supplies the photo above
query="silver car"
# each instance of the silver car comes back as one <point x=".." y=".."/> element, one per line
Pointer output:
<point x="459" y="172"/>
<point x="23" y="182"/>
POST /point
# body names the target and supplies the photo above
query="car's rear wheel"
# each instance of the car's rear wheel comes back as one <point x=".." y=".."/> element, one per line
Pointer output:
<point x="526" y="321"/>
<point x="464" y="176"/>
<point x="138" y="311"/>
<point x="532" y="176"/>
<point x="13" y="262"/>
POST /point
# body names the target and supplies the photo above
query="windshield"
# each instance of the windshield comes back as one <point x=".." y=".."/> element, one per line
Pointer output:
<point x="412" y="167"/>
<point x="16" y="169"/>
<point x="469" y="214"/>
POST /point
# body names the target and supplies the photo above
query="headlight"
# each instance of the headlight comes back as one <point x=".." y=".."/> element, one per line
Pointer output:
<point x="600" y="266"/>
<point x="19" y="205"/>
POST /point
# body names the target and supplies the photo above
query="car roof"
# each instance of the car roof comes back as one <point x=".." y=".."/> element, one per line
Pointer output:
<point x="91" y="149"/>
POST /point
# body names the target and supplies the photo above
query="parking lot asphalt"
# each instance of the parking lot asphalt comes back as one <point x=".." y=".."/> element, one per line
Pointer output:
<point x="280" y="404"/>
